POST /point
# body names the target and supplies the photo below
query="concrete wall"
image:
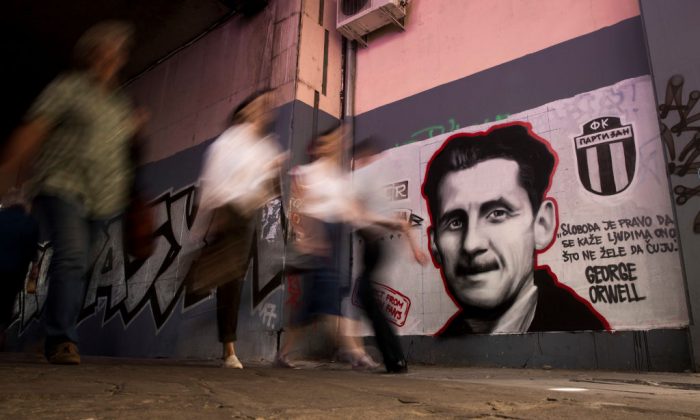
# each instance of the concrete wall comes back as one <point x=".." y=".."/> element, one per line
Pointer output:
<point x="452" y="67"/>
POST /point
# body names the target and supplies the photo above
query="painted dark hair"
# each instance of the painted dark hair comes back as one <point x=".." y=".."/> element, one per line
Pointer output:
<point x="514" y="142"/>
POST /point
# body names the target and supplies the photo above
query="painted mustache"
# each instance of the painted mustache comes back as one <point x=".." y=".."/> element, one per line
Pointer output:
<point x="476" y="268"/>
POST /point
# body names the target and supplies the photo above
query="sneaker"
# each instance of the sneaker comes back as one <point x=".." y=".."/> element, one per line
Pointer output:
<point x="283" y="362"/>
<point x="232" y="362"/>
<point x="65" y="354"/>
<point x="364" y="362"/>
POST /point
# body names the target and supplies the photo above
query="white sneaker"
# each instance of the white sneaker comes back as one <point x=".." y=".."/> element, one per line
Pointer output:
<point x="232" y="362"/>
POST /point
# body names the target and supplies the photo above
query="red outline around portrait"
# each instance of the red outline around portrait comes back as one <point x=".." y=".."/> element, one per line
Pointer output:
<point x="554" y="277"/>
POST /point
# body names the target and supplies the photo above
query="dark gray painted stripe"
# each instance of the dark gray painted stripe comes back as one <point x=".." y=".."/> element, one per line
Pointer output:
<point x="588" y="62"/>
<point x="656" y="350"/>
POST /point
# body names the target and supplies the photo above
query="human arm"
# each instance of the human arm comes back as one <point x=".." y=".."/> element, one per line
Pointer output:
<point x="22" y="146"/>
<point x="48" y="109"/>
<point x="420" y="255"/>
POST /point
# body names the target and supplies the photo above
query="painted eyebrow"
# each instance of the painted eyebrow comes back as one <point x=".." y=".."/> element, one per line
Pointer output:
<point x="498" y="203"/>
<point x="452" y="214"/>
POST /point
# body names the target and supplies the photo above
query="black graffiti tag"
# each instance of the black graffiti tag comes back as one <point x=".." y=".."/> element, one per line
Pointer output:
<point x="686" y="161"/>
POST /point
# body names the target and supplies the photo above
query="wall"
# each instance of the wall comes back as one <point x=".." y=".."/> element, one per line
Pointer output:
<point x="671" y="30"/>
<point x="469" y="69"/>
<point x="454" y="69"/>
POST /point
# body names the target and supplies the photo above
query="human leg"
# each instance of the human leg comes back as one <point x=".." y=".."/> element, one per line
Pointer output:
<point x="69" y="233"/>
<point x="228" y="299"/>
<point x="387" y="341"/>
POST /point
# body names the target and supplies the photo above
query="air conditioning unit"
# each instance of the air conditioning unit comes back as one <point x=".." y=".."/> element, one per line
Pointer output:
<point x="357" y="18"/>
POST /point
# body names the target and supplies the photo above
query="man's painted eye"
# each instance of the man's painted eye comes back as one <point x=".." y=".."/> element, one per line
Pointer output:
<point x="455" y="224"/>
<point x="498" y="215"/>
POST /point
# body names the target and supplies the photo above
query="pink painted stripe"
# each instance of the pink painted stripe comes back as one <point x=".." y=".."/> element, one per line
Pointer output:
<point x="446" y="40"/>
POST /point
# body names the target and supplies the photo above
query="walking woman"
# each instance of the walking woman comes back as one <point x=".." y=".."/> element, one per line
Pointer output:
<point x="240" y="175"/>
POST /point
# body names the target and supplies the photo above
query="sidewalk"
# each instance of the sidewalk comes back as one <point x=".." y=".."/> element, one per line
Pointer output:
<point x="104" y="388"/>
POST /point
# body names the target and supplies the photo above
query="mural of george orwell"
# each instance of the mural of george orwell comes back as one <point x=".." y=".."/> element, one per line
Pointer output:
<point x="489" y="217"/>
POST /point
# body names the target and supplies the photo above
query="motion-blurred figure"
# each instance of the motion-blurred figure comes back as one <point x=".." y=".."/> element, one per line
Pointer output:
<point x="77" y="135"/>
<point x="370" y="193"/>
<point x="240" y="175"/>
<point x="323" y="194"/>
<point x="326" y="201"/>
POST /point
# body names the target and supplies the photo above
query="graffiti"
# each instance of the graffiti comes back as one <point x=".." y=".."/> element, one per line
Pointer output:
<point x="435" y="130"/>
<point x="594" y="260"/>
<point x="269" y="242"/>
<point x="271" y="219"/>
<point x="293" y="291"/>
<point x="261" y="289"/>
<point x="438" y="129"/>
<point x="498" y="117"/>
<point x="682" y="132"/>
<point x="126" y="286"/>
<point x="461" y="247"/>
<point x="33" y="299"/>
<point x="268" y="314"/>
<point x="606" y="155"/>
<point x="129" y="286"/>
<point x="393" y="303"/>
<point x="396" y="191"/>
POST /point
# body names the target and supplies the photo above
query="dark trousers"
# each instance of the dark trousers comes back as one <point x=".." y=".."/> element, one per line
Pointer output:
<point x="71" y="235"/>
<point x="387" y="341"/>
<point x="11" y="283"/>
<point x="228" y="300"/>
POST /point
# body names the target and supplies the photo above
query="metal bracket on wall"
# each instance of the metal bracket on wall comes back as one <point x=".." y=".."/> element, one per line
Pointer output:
<point x="399" y="23"/>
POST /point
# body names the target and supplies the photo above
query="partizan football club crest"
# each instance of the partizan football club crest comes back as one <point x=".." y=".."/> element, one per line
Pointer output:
<point x="606" y="155"/>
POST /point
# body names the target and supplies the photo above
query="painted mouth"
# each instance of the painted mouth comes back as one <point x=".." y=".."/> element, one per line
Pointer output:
<point x="476" y="269"/>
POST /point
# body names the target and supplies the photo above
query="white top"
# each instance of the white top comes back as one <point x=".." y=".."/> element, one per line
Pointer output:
<point x="327" y="192"/>
<point x="238" y="170"/>
<point x="369" y="186"/>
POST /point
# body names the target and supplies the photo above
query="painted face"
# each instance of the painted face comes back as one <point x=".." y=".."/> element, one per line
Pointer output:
<point x="483" y="234"/>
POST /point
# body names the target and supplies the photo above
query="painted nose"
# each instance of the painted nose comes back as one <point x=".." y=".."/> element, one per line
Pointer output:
<point x="474" y="242"/>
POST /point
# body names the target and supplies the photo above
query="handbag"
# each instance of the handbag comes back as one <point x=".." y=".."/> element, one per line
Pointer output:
<point x="299" y="254"/>
<point x="226" y="252"/>
<point x="138" y="221"/>
<point x="139" y="240"/>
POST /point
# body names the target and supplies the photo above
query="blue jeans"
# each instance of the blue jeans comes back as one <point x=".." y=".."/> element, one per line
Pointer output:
<point x="71" y="234"/>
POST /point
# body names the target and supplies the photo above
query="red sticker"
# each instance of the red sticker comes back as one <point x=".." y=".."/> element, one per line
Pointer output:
<point x="394" y="303"/>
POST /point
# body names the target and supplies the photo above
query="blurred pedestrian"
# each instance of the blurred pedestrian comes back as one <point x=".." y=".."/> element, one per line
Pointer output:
<point x="240" y="175"/>
<point x="325" y="203"/>
<point x="76" y="136"/>
<point x="318" y="189"/>
<point x="370" y="191"/>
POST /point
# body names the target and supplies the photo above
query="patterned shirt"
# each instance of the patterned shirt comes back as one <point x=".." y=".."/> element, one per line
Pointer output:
<point x="85" y="158"/>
